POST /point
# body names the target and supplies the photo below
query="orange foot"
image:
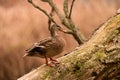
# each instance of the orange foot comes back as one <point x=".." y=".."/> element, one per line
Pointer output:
<point x="54" y="61"/>
<point x="50" y="65"/>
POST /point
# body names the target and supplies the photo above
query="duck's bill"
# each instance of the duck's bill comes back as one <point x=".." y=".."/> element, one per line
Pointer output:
<point x="25" y="55"/>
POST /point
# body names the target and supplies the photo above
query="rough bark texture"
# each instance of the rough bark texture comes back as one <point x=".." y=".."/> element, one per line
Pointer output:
<point x="97" y="59"/>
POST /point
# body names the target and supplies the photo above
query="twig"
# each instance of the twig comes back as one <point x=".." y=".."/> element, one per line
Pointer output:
<point x="65" y="8"/>
<point x="71" y="8"/>
<point x="49" y="21"/>
<point x="59" y="13"/>
<point x="42" y="10"/>
<point x="66" y="31"/>
<point x="49" y="24"/>
<point x="53" y="5"/>
<point x="66" y="22"/>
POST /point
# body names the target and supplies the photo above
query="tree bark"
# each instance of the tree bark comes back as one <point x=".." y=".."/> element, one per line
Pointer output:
<point x="97" y="59"/>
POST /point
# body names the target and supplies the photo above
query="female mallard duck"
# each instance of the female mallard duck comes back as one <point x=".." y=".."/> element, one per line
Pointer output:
<point x="49" y="47"/>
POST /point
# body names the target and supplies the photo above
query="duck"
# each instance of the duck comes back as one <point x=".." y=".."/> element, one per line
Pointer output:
<point x="49" y="47"/>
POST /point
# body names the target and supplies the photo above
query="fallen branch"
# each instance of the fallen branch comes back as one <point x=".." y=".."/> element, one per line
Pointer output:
<point x="97" y="59"/>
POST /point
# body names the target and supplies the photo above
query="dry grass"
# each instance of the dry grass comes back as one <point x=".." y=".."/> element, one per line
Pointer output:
<point x="21" y="25"/>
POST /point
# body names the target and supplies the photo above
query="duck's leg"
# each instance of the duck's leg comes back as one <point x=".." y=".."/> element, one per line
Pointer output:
<point x="54" y="60"/>
<point x="46" y="59"/>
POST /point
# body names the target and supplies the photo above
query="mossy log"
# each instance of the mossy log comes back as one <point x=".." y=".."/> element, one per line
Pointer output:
<point x="97" y="59"/>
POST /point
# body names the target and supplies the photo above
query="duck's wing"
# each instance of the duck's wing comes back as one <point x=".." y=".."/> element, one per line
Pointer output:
<point x="45" y="41"/>
<point x="39" y="46"/>
<point x="35" y="48"/>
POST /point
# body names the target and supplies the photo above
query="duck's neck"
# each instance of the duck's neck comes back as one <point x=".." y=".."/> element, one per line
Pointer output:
<point x="53" y="32"/>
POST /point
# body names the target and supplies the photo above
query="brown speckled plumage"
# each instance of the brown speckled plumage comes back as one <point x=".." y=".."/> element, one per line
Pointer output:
<point x="49" y="47"/>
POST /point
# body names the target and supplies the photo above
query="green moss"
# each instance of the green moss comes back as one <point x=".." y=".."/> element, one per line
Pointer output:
<point x="45" y="75"/>
<point x="100" y="54"/>
<point x="77" y="66"/>
<point x="112" y="35"/>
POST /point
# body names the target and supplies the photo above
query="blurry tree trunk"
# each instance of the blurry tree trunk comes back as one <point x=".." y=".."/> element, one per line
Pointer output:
<point x="97" y="59"/>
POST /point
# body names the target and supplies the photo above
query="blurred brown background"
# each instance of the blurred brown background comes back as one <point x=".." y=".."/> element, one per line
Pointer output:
<point x="21" y="25"/>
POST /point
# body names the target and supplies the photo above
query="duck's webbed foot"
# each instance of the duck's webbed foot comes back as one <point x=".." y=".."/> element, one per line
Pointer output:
<point x="54" y="61"/>
<point x="47" y="63"/>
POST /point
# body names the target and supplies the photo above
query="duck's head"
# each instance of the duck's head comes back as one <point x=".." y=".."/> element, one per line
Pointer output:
<point x="53" y="29"/>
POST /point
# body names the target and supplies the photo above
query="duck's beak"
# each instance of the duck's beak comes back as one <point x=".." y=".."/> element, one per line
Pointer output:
<point x="26" y="54"/>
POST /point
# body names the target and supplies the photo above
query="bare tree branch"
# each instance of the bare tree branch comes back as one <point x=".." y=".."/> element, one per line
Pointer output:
<point x="49" y="21"/>
<point x="71" y="8"/>
<point x="78" y="36"/>
<point x="59" y="13"/>
<point x="65" y="8"/>
<point x="42" y="10"/>
<point x="68" y="23"/>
